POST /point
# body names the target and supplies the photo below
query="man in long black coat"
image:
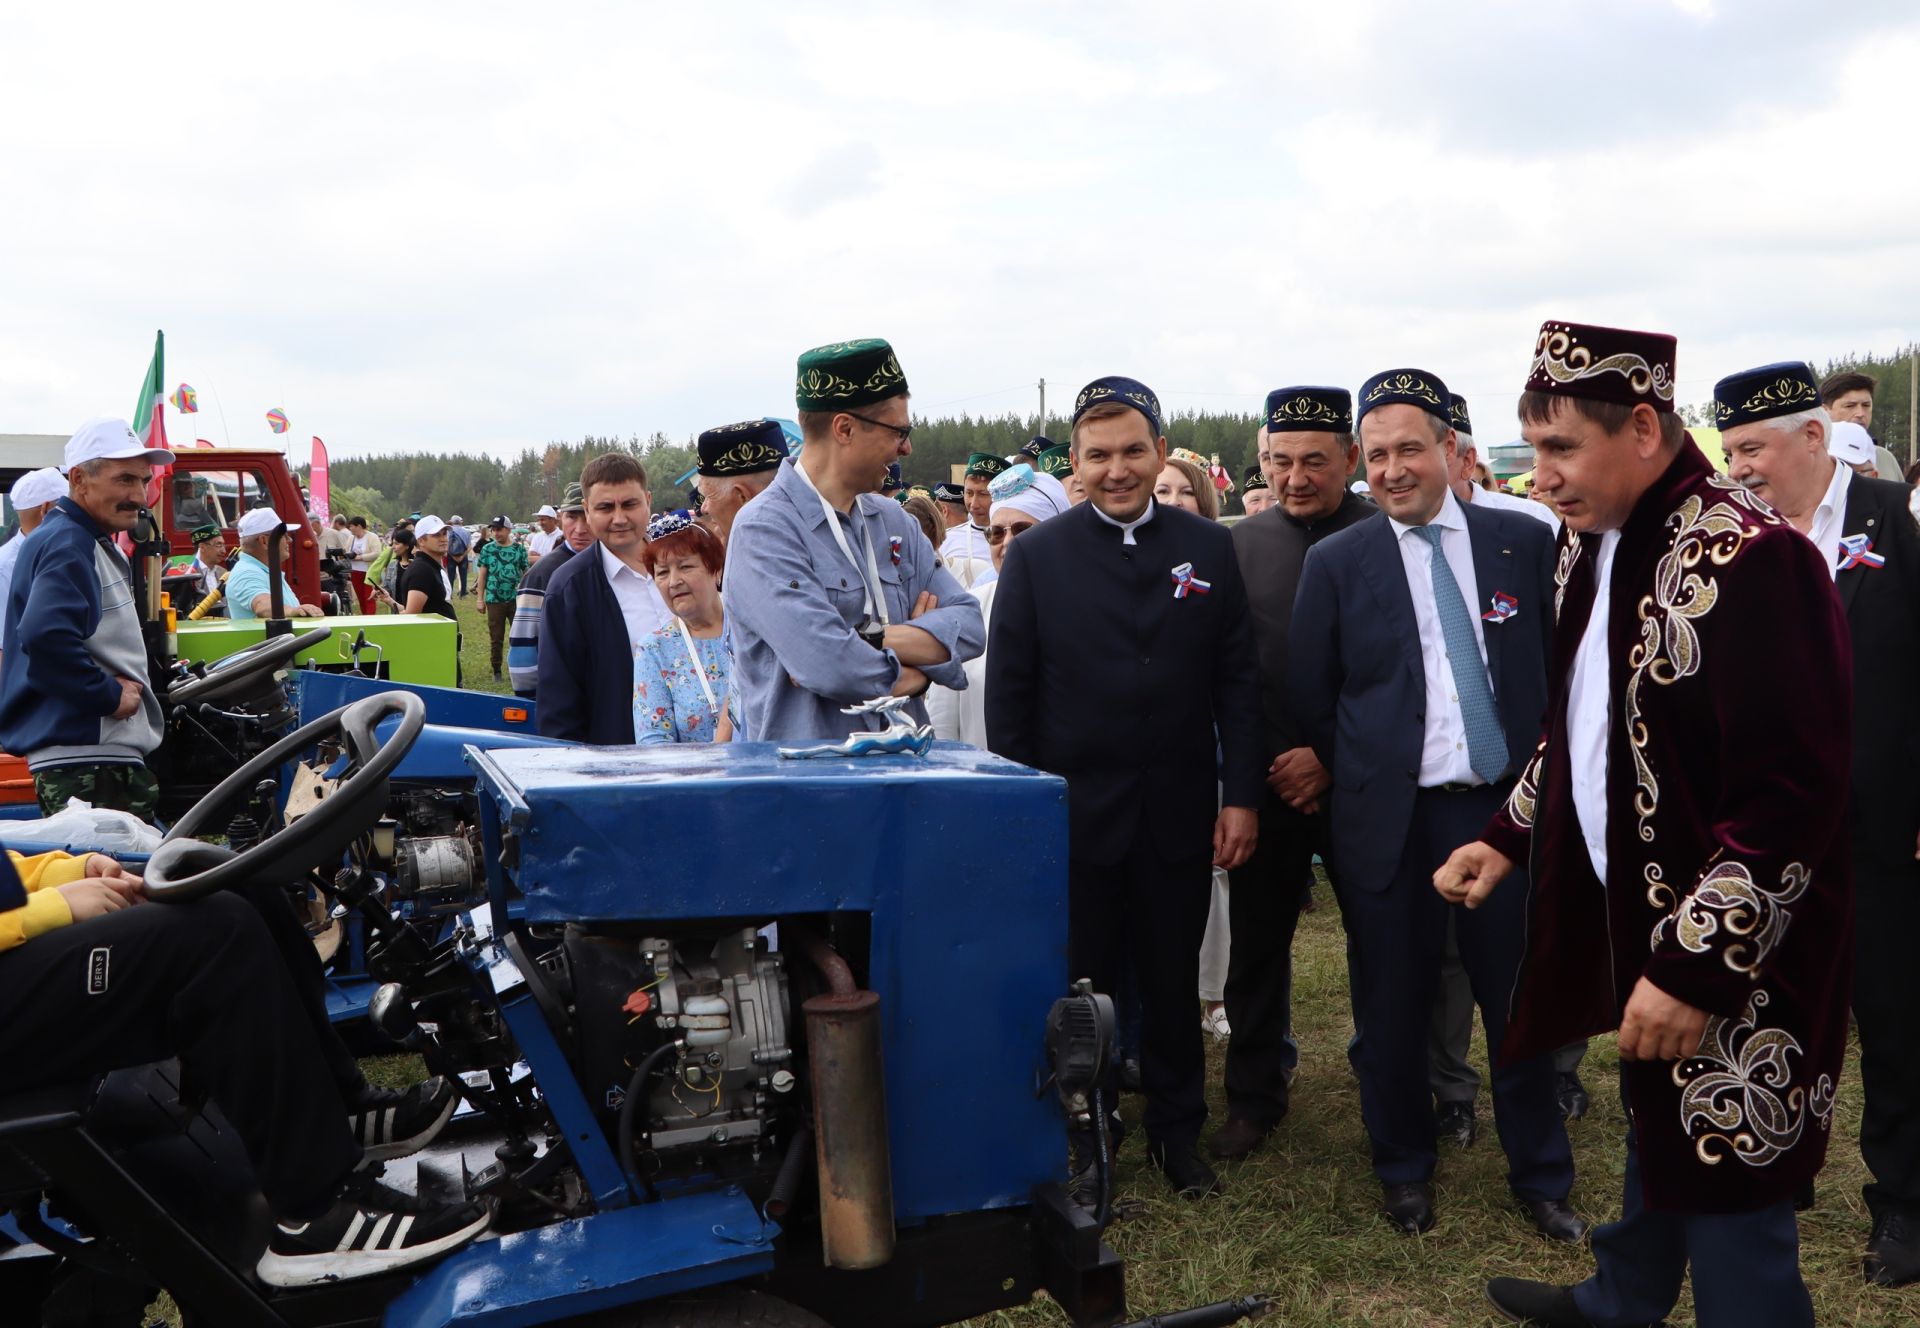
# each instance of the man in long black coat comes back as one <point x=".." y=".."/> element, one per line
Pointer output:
<point x="1776" y="435"/>
<point x="1121" y="658"/>
<point x="1307" y="451"/>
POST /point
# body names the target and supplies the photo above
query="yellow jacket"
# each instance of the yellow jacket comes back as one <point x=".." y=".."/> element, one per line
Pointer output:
<point x="46" y="908"/>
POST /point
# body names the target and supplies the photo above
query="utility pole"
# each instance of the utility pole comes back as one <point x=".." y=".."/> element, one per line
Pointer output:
<point x="1042" y="426"/>
<point x="1913" y="404"/>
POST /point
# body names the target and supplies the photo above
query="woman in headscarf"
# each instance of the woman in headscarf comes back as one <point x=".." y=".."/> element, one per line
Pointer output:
<point x="683" y="672"/>
<point x="1022" y="499"/>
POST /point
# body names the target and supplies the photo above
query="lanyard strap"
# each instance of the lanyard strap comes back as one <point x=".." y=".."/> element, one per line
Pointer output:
<point x="870" y="574"/>
<point x="699" y="670"/>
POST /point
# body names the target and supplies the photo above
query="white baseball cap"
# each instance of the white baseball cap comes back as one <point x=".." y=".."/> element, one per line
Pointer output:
<point x="456" y="521"/>
<point x="37" y="487"/>
<point x="262" y="521"/>
<point x="428" y="525"/>
<point x="108" y="439"/>
<point x="1850" y="443"/>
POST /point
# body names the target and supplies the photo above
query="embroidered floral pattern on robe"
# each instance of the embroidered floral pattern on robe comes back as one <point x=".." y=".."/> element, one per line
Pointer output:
<point x="1734" y="1099"/>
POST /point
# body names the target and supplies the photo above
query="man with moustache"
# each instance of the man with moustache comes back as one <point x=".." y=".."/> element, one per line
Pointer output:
<point x="599" y="608"/>
<point x="75" y="697"/>
<point x="1307" y="449"/>
<point x="1776" y="435"/>
<point x="834" y="595"/>
<point x="1121" y="660"/>
<point x="1684" y="822"/>
<point x="1422" y="697"/>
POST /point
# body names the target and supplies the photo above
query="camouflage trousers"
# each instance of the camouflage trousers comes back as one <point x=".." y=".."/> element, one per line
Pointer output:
<point x="120" y="785"/>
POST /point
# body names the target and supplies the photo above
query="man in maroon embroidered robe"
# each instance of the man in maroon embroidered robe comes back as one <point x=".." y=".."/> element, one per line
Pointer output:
<point x="1684" y="821"/>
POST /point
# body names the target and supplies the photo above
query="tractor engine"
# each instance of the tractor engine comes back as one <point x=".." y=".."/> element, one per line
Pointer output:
<point x="723" y="996"/>
<point x="429" y="850"/>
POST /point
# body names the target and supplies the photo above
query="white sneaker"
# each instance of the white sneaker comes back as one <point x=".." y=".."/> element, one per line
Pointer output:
<point x="369" y="1230"/>
<point x="1213" y="1019"/>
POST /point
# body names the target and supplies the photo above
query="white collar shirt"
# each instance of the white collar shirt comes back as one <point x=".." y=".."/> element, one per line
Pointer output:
<point x="1590" y="712"/>
<point x="967" y="555"/>
<point x="640" y="603"/>
<point x="1507" y="502"/>
<point x="1830" y="517"/>
<point x="1128" y="527"/>
<point x="1444" y="758"/>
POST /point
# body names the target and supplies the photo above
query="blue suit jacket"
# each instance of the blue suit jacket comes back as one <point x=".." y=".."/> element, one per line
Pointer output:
<point x="585" y="660"/>
<point x="1360" y="687"/>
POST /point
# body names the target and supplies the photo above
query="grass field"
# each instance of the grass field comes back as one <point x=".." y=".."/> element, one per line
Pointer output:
<point x="1299" y="1219"/>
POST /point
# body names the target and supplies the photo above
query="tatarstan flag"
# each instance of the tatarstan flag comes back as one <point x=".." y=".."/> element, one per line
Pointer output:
<point x="149" y="416"/>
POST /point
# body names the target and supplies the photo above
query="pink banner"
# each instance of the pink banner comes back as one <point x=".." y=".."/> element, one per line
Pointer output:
<point x="317" y="494"/>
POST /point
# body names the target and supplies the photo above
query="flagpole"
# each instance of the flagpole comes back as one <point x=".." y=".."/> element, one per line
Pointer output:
<point x="224" y="431"/>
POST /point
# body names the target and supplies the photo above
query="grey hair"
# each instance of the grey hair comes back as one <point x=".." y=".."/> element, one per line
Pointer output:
<point x="1800" y="419"/>
<point x="94" y="467"/>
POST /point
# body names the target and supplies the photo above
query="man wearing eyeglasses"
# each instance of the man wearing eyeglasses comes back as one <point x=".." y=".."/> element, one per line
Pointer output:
<point x="835" y="595"/>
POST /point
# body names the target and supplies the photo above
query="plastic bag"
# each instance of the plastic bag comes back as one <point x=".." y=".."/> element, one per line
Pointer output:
<point x="83" y="826"/>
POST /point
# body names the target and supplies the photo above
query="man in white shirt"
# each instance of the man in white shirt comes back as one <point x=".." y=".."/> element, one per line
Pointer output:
<point x="965" y="549"/>
<point x="544" y="540"/>
<point x="1422" y="701"/>
<point x="32" y="496"/>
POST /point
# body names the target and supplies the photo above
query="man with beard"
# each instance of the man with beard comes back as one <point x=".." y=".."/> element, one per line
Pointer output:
<point x="75" y="697"/>
<point x="1684" y="822"/>
<point x="1308" y="450"/>
<point x="835" y="595"/>
<point x="1776" y="435"/>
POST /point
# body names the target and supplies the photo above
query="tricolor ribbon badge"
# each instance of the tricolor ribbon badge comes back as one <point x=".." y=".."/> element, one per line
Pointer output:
<point x="1504" y="607"/>
<point x="1185" y="581"/>
<point x="1857" y="551"/>
<point x="893" y="549"/>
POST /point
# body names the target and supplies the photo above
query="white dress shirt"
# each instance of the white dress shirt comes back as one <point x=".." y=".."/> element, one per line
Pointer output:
<point x="1830" y="517"/>
<point x="1506" y="502"/>
<point x="1127" y="527"/>
<point x="640" y="602"/>
<point x="1590" y="712"/>
<point x="1443" y="751"/>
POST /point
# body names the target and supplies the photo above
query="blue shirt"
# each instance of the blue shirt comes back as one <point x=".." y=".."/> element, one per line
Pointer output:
<point x="793" y="601"/>
<point x="248" y="579"/>
<point x="669" y="704"/>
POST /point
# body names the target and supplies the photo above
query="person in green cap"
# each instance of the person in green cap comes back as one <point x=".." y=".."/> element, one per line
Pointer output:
<point x="965" y="550"/>
<point x="835" y="595"/>
<point x="1058" y="462"/>
<point x="209" y="552"/>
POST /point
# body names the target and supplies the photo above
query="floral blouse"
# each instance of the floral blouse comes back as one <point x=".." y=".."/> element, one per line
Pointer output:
<point x="668" y="702"/>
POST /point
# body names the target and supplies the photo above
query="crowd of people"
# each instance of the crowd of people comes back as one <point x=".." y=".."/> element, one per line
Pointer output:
<point x="1628" y="755"/>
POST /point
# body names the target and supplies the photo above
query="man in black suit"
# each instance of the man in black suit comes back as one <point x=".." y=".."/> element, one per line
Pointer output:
<point x="1121" y="659"/>
<point x="1423" y="696"/>
<point x="1307" y="450"/>
<point x="1776" y="435"/>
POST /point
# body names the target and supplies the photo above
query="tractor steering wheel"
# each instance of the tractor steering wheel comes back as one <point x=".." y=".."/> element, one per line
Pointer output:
<point x="238" y="672"/>
<point x="185" y="868"/>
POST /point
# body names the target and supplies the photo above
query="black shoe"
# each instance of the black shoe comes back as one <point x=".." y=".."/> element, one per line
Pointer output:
<point x="1893" y="1251"/>
<point x="1190" y="1177"/>
<point x="389" y="1123"/>
<point x="1572" y="1096"/>
<point x="369" y="1230"/>
<point x="1540" y="1303"/>
<point x="1409" y="1207"/>
<point x="1556" y="1220"/>
<point x="1455" y="1121"/>
<point x="1130" y="1074"/>
<point x="1236" y="1139"/>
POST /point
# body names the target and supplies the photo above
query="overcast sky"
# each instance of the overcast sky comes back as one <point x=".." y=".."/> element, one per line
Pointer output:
<point x="490" y="225"/>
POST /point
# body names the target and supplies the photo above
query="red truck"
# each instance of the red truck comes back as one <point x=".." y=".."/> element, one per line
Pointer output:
<point x="220" y="485"/>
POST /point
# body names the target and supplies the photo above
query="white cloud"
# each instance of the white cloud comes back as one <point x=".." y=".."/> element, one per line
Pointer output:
<point x="495" y="226"/>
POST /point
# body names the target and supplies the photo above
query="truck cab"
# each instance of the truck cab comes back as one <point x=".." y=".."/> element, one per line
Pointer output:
<point x="222" y="484"/>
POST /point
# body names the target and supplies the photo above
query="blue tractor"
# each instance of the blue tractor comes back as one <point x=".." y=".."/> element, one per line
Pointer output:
<point x="737" y="1051"/>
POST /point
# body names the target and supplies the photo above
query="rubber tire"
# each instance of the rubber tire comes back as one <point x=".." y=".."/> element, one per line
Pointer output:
<point x="729" y="1308"/>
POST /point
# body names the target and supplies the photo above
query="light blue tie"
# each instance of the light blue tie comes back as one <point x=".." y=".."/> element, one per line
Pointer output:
<point x="1486" y="741"/>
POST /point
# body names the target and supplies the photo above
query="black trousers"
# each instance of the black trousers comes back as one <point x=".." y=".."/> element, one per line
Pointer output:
<point x="1264" y="908"/>
<point x="1396" y="937"/>
<point x="231" y="985"/>
<point x="1149" y="913"/>
<point x="1886" y="1004"/>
